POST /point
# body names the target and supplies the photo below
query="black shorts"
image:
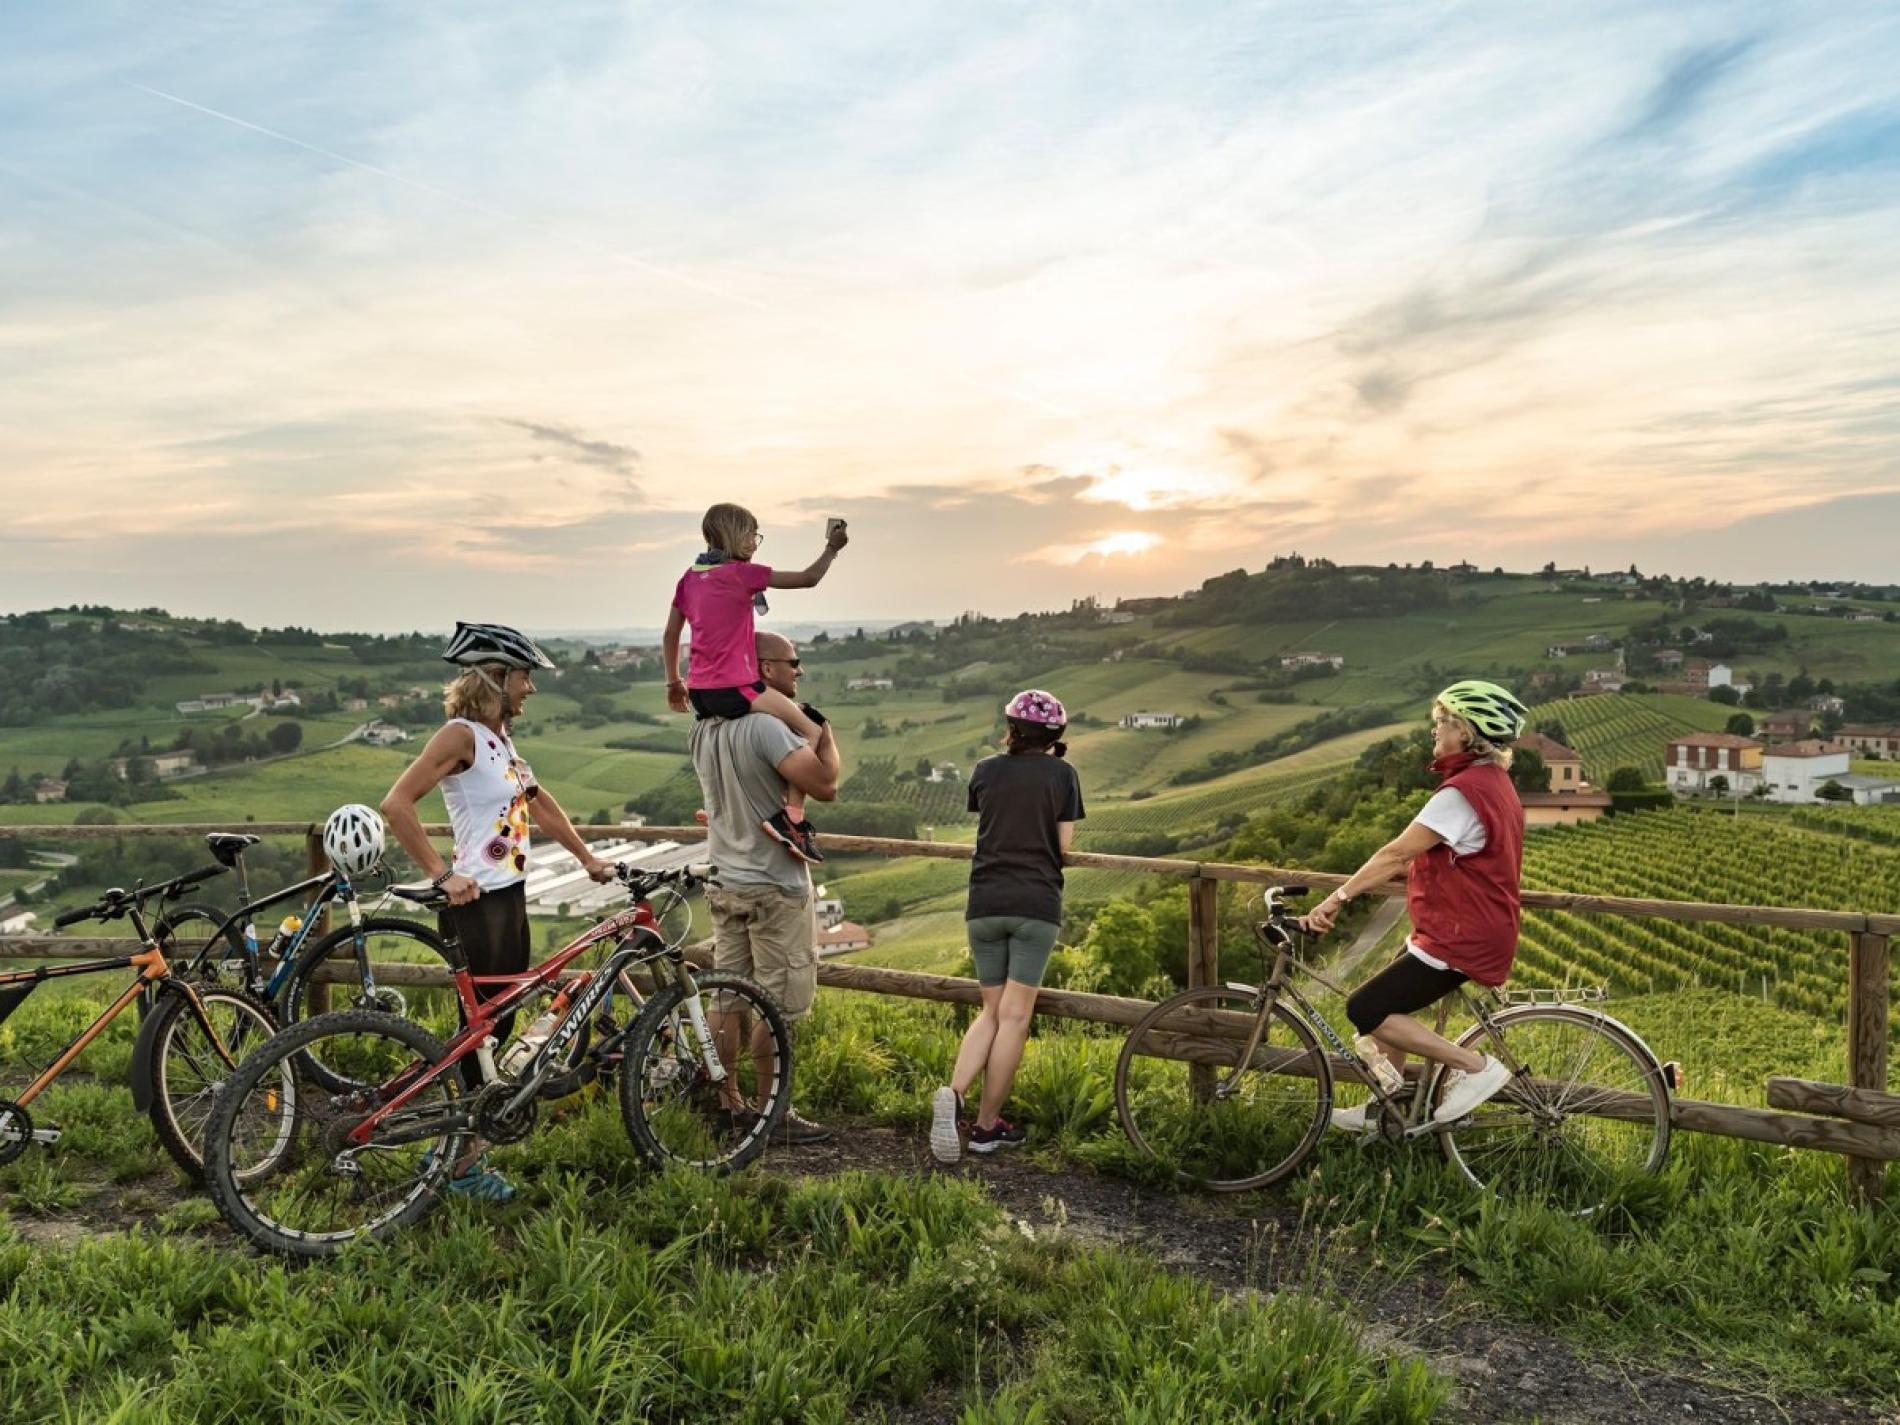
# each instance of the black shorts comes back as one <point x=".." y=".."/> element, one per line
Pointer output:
<point x="723" y="702"/>
<point x="493" y="936"/>
<point x="1405" y="986"/>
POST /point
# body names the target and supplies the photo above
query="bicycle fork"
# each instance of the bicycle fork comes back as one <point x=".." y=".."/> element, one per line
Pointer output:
<point x="696" y="1011"/>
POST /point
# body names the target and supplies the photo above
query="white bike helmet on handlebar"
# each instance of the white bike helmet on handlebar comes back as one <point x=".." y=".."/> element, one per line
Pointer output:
<point x="353" y="840"/>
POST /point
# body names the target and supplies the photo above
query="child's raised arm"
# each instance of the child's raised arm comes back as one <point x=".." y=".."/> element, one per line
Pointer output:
<point x="808" y="578"/>
<point x="670" y="659"/>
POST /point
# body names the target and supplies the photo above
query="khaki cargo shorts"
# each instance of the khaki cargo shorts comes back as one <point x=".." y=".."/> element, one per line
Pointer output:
<point x="770" y="935"/>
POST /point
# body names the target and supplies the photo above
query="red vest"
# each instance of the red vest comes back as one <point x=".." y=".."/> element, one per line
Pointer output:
<point x="1464" y="909"/>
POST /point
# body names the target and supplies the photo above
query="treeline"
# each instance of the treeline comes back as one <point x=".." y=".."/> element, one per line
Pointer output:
<point x="49" y="671"/>
<point x="1312" y="590"/>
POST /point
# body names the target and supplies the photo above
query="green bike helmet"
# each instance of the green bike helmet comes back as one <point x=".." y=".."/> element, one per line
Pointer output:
<point x="1496" y="714"/>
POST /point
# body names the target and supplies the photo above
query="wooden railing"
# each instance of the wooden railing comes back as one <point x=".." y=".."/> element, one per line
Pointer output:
<point x="1858" y="1119"/>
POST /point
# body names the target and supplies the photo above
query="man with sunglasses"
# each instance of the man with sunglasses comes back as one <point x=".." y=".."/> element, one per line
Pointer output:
<point x="762" y="907"/>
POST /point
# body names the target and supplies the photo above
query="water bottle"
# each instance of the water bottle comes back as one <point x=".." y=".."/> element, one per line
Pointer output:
<point x="530" y="1042"/>
<point x="286" y="928"/>
<point x="1383" y="1069"/>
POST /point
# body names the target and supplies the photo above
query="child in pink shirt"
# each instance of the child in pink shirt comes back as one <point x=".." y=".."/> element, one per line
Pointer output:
<point x="716" y="599"/>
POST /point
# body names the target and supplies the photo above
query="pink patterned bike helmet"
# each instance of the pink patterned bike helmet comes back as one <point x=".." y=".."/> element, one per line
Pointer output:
<point x="1034" y="705"/>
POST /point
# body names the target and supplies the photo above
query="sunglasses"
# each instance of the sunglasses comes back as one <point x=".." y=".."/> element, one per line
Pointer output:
<point x="794" y="662"/>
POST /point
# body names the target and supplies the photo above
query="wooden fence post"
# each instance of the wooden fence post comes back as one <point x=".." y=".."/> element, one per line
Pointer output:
<point x="318" y="863"/>
<point x="1203" y="961"/>
<point x="1868" y="994"/>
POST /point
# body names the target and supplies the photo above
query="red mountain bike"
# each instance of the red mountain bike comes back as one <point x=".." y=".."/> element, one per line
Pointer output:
<point x="381" y="1110"/>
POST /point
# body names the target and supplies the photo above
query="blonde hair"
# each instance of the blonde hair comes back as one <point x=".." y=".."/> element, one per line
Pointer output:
<point x="475" y="693"/>
<point x="1475" y="741"/>
<point x="726" y="527"/>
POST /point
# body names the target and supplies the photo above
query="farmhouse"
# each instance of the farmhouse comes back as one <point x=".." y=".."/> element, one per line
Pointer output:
<point x="1570" y="799"/>
<point x="1827" y="703"/>
<point x="1795" y="771"/>
<point x="842" y="938"/>
<point x="1668" y="658"/>
<point x="49" y="789"/>
<point x="1786" y="726"/>
<point x="1870" y="740"/>
<point x="1692" y="762"/>
<point x="383" y="734"/>
<point x="355" y="705"/>
<point x="1313" y="660"/>
<point x="859" y="685"/>
<point x="945" y="772"/>
<point x="1151" y="719"/>
<point x="1866" y="791"/>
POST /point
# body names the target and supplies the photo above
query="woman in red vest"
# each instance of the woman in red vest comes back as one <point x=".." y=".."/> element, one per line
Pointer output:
<point x="1461" y="856"/>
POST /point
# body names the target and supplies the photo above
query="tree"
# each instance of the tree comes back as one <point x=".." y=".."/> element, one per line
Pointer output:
<point x="1719" y="785"/>
<point x="1740" y="724"/>
<point x="1528" y="772"/>
<point x="1725" y="695"/>
<point x="1123" y="942"/>
<point x="1627" y="779"/>
<point x="1834" y="792"/>
<point x="1554" y="730"/>
<point x="285" y="737"/>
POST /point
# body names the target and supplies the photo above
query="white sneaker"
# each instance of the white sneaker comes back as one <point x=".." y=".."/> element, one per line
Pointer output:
<point x="1356" y="1121"/>
<point x="1464" y="1092"/>
<point x="945" y="1145"/>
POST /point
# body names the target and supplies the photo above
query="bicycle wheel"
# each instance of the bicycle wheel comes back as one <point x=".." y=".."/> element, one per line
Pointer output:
<point x="1589" y="1113"/>
<point x="188" y="1064"/>
<point x="1230" y="1126"/>
<point x="188" y="934"/>
<point x="673" y="1111"/>
<point x="309" y="1192"/>
<point x="387" y="940"/>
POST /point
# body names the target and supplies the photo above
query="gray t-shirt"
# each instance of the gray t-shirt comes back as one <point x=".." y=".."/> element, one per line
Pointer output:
<point x="737" y="762"/>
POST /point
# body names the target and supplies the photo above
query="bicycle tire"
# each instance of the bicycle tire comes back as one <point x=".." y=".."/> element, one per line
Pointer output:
<point x="240" y="1183"/>
<point x="1164" y="1117"/>
<point x="1516" y="1144"/>
<point x="198" y="950"/>
<point x="293" y="1001"/>
<point x="669" y="1104"/>
<point x="179" y="1109"/>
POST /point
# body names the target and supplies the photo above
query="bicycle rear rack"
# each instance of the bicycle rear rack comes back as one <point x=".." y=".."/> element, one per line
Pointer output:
<point x="1569" y="994"/>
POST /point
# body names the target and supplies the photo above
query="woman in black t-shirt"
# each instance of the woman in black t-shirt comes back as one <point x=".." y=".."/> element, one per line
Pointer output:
<point x="1027" y="803"/>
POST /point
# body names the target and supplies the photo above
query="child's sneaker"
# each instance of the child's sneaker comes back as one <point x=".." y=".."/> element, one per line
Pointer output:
<point x="946" y="1107"/>
<point x="803" y="845"/>
<point x="1003" y="1134"/>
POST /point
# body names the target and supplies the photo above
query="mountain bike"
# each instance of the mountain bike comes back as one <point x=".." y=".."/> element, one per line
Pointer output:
<point x="226" y="943"/>
<point x="1231" y="1086"/>
<point x="194" y="1036"/>
<point x="704" y="1074"/>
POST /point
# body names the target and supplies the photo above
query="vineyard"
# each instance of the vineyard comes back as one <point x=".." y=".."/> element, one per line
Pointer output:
<point x="880" y="779"/>
<point x="1694" y="855"/>
<point x="1880" y="825"/>
<point x="1630" y="729"/>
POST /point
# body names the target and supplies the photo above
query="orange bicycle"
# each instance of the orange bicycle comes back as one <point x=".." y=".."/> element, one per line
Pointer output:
<point x="194" y="1037"/>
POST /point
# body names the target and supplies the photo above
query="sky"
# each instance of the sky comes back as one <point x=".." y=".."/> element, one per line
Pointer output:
<point x="380" y="316"/>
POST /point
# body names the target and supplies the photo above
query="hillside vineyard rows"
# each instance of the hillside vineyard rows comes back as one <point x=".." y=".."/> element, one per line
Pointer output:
<point x="1696" y="855"/>
<point x="1634" y="731"/>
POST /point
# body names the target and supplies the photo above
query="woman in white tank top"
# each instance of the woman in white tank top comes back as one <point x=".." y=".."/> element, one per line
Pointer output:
<point x="492" y="798"/>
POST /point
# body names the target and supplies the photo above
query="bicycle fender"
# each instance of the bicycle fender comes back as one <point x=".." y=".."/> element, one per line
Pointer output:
<point x="143" y="1050"/>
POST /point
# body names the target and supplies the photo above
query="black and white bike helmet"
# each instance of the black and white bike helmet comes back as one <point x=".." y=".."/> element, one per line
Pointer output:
<point x="477" y="643"/>
<point x="353" y="840"/>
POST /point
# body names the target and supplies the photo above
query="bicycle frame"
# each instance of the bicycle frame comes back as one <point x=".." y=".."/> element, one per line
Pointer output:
<point x="152" y="968"/>
<point x="477" y="1037"/>
<point x="328" y="887"/>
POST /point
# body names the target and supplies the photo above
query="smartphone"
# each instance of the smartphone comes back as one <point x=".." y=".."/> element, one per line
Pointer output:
<point x="833" y="526"/>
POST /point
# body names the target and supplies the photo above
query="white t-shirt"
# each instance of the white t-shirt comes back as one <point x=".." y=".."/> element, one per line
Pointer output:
<point x="1450" y="815"/>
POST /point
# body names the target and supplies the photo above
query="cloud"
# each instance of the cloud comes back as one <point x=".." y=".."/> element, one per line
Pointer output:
<point x="621" y="459"/>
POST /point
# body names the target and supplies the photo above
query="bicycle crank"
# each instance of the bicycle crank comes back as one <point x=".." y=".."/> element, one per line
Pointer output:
<point x="17" y="1130"/>
<point x="492" y="1120"/>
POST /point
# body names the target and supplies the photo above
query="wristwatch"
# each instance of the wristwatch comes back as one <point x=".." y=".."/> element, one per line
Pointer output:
<point x="1339" y="894"/>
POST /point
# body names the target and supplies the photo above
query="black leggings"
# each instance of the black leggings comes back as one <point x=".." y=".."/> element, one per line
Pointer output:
<point x="493" y="933"/>
<point x="1405" y="986"/>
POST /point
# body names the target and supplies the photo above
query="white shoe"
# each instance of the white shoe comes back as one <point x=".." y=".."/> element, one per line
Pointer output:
<point x="1356" y="1121"/>
<point x="945" y="1145"/>
<point x="1464" y="1092"/>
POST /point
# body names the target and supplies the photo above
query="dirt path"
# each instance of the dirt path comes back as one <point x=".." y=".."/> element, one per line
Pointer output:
<point x="1504" y="1371"/>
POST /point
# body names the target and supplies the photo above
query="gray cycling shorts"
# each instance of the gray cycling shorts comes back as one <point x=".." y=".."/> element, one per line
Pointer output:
<point x="1011" y="947"/>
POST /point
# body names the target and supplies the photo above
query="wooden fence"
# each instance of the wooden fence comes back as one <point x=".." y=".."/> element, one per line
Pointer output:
<point x="1858" y="1119"/>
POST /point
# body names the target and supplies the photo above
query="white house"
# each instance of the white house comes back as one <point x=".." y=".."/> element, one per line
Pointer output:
<point x="945" y="772"/>
<point x="1151" y="719"/>
<point x="845" y="936"/>
<point x="1691" y="763"/>
<point x="829" y="910"/>
<point x="167" y="765"/>
<point x="1313" y="660"/>
<point x="1869" y="791"/>
<point x="859" y="685"/>
<point x="1827" y="703"/>
<point x="1795" y="771"/>
<point x="383" y="734"/>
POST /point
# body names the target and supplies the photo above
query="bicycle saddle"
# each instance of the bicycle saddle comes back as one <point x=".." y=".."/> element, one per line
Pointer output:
<point x="227" y="846"/>
<point x="423" y="894"/>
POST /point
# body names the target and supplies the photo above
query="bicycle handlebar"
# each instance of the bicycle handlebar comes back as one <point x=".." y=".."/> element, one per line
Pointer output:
<point x="118" y="901"/>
